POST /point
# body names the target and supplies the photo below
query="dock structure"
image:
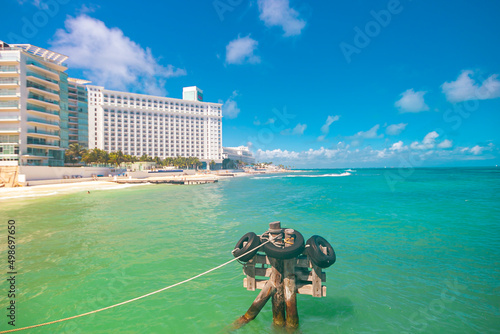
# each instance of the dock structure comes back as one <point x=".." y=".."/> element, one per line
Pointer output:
<point x="281" y="269"/>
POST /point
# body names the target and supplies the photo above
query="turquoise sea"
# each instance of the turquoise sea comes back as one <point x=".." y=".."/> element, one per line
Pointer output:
<point x="418" y="251"/>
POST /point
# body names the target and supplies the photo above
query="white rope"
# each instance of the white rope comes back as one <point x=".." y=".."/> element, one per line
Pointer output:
<point x="141" y="297"/>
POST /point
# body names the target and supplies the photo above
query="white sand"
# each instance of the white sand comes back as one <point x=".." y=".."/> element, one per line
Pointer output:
<point x="56" y="189"/>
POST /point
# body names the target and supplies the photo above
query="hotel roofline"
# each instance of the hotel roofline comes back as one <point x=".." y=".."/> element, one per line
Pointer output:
<point x="54" y="57"/>
<point x="154" y="96"/>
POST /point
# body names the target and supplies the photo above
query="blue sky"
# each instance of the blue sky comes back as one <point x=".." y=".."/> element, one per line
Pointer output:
<point x="305" y="83"/>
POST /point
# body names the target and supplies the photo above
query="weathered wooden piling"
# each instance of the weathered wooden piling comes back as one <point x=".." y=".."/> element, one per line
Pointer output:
<point x="259" y="302"/>
<point x="278" y="300"/>
<point x="292" y="315"/>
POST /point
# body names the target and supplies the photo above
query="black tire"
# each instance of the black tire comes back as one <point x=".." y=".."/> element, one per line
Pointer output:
<point x="252" y="241"/>
<point x="315" y="253"/>
<point x="286" y="252"/>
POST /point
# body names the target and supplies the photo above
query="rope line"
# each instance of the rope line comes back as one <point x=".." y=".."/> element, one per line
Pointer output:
<point x="140" y="297"/>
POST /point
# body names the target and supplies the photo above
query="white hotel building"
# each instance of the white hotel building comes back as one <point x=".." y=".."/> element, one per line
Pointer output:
<point x="161" y="127"/>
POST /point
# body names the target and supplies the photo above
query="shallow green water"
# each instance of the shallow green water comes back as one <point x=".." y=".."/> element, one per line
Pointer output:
<point x="417" y="251"/>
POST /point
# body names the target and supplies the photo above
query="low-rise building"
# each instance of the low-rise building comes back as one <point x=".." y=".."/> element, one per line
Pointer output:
<point x="240" y="153"/>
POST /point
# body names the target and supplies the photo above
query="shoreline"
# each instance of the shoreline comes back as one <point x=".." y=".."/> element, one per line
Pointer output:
<point x="59" y="187"/>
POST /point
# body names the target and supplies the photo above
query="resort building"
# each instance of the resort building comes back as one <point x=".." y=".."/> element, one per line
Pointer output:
<point x="240" y="153"/>
<point x="33" y="106"/>
<point x="162" y="127"/>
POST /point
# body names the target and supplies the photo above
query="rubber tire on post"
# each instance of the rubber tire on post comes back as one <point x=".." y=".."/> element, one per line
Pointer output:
<point x="252" y="241"/>
<point x="314" y="252"/>
<point x="287" y="252"/>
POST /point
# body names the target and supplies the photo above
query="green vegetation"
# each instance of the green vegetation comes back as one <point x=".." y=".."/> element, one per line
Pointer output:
<point x="76" y="154"/>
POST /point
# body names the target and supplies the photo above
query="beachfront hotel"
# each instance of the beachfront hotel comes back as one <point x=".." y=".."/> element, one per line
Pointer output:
<point x="240" y="153"/>
<point x="78" y="123"/>
<point x="42" y="111"/>
<point x="162" y="127"/>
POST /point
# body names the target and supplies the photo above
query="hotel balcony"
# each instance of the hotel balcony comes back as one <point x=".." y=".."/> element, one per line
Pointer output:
<point x="43" y="71"/>
<point x="9" y="82"/>
<point x="44" y="102"/>
<point x="40" y="111"/>
<point x="9" y="105"/>
<point x="4" y="117"/>
<point x="9" y="71"/>
<point x="9" y="129"/>
<point x="44" y="134"/>
<point x="43" y="80"/>
<point x="41" y="143"/>
<point x="9" y="95"/>
<point x="42" y="89"/>
<point x="44" y="122"/>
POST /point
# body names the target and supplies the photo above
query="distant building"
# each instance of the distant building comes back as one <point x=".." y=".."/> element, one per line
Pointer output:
<point x="78" y="122"/>
<point x="35" y="107"/>
<point x="241" y="153"/>
<point x="162" y="127"/>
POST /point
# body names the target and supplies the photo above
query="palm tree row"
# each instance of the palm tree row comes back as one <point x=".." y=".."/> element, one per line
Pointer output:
<point x="76" y="153"/>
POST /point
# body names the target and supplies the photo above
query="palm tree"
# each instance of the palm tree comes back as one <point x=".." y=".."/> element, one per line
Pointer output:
<point x="116" y="158"/>
<point x="212" y="164"/>
<point x="91" y="156"/>
<point x="103" y="156"/>
<point x="74" y="153"/>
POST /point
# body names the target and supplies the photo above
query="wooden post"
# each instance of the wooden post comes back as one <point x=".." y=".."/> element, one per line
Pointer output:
<point x="292" y="315"/>
<point x="257" y="304"/>
<point x="279" y="295"/>
<point x="316" y="280"/>
<point x="250" y="271"/>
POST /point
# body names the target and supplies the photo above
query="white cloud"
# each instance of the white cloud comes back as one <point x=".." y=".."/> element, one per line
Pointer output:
<point x="477" y="150"/>
<point x="398" y="147"/>
<point x="370" y="134"/>
<point x="241" y="50"/>
<point x="395" y="129"/>
<point x="411" y="101"/>
<point x="445" y="144"/>
<point x="465" y="88"/>
<point x="279" y="13"/>
<point x="297" y="130"/>
<point x="109" y="58"/>
<point x="397" y="155"/>
<point x="428" y="142"/>
<point x="230" y="107"/>
<point x="277" y="153"/>
<point x="256" y="121"/>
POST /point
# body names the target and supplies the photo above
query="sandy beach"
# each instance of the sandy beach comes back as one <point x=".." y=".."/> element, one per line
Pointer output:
<point x="35" y="191"/>
<point x="57" y="189"/>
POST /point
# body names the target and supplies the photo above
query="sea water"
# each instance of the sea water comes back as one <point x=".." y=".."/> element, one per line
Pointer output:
<point x="418" y="251"/>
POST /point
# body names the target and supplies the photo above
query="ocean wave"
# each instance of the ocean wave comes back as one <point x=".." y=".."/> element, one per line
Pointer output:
<point x="320" y="175"/>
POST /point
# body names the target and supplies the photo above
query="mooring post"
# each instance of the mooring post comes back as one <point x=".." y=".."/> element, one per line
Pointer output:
<point x="257" y="305"/>
<point x="278" y="299"/>
<point x="292" y="315"/>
